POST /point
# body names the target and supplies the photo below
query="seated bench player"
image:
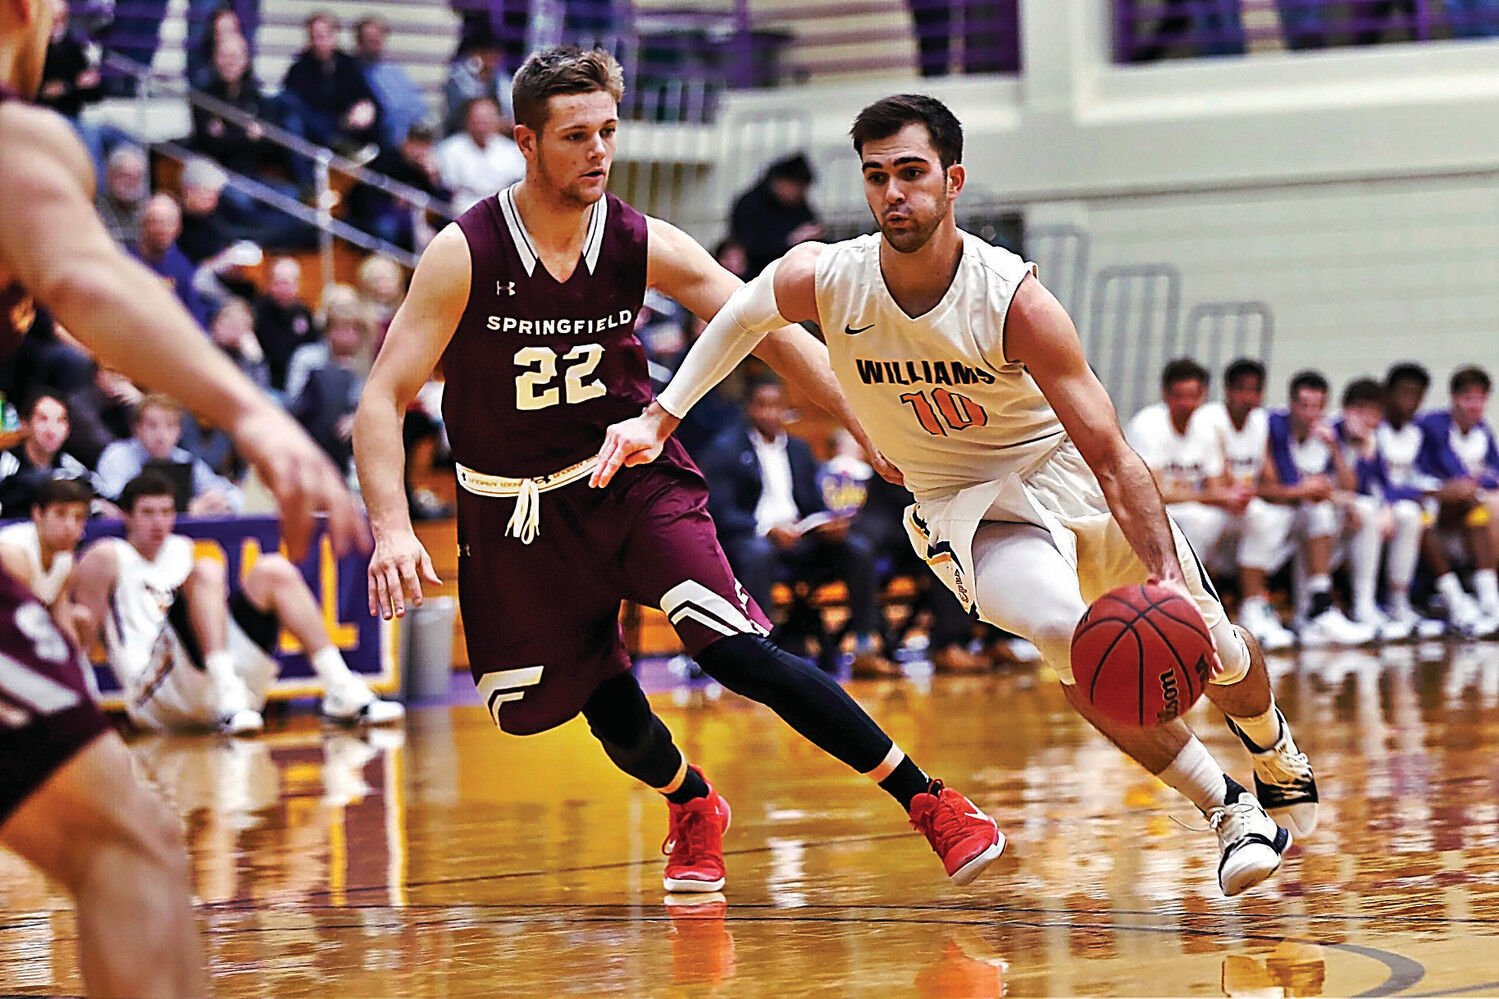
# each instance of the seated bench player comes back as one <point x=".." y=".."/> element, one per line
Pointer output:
<point x="190" y="650"/>
<point x="1398" y="514"/>
<point x="1459" y="446"/>
<point x="1303" y="476"/>
<point x="1404" y="444"/>
<point x="39" y="552"/>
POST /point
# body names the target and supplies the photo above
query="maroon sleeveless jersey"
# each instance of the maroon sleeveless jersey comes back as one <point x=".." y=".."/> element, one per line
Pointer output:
<point x="16" y="309"/>
<point x="537" y="370"/>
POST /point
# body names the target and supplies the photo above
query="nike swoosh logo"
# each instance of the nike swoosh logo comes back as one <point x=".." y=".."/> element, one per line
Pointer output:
<point x="855" y="332"/>
<point x="979" y="815"/>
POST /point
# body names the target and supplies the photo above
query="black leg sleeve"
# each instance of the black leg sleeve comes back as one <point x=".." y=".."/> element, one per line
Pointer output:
<point x="633" y="737"/>
<point x="806" y="698"/>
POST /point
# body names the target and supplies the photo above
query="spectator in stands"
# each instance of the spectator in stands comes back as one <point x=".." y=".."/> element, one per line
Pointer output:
<point x="156" y="442"/>
<point x="48" y="355"/>
<point x="134" y="34"/>
<point x="772" y="520"/>
<point x="1186" y="460"/>
<point x="1303" y="23"/>
<point x="480" y="160"/>
<point x="1473" y="18"/>
<point x="1409" y="456"/>
<point x="394" y="219"/>
<point x="401" y="102"/>
<point x="325" y="378"/>
<point x="243" y="149"/>
<point x="40" y="456"/>
<point x="1458" y="447"/>
<point x="123" y="194"/>
<point x="1398" y="514"/>
<point x="325" y="97"/>
<point x="1209" y="27"/>
<point x="1304" y="472"/>
<point x="774" y="215"/>
<point x="282" y="321"/>
<point x="475" y="72"/>
<point x="206" y="230"/>
<point x="101" y="413"/>
<point x="210" y="23"/>
<point x="69" y="81"/>
<point x="880" y="524"/>
<point x="1240" y="428"/>
<point x="381" y="285"/>
<point x="233" y="330"/>
<point x="156" y="247"/>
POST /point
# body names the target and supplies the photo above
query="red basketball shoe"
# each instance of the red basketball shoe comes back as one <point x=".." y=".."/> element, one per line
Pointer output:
<point x="964" y="837"/>
<point x="694" y="843"/>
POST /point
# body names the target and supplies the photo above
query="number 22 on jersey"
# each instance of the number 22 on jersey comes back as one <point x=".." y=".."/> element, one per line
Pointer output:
<point x="940" y="411"/>
<point x="535" y="386"/>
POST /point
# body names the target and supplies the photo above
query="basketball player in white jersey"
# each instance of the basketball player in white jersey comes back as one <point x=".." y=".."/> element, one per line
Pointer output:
<point x="1241" y="427"/>
<point x="189" y="650"/>
<point x="969" y="376"/>
<point x="39" y="551"/>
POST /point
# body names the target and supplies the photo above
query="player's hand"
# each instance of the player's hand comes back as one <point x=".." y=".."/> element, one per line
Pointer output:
<point x="1325" y="433"/>
<point x="1463" y="490"/>
<point x="302" y="478"/>
<point x="636" y="441"/>
<point x="885" y="467"/>
<point x="1317" y="487"/>
<point x="397" y="568"/>
<point x="1177" y="584"/>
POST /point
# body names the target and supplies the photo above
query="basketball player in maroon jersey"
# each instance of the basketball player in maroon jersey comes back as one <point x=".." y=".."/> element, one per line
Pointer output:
<point x="70" y="802"/>
<point x="529" y="302"/>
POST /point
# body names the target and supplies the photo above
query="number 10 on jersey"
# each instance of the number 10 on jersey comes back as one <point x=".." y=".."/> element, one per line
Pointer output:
<point x="940" y="411"/>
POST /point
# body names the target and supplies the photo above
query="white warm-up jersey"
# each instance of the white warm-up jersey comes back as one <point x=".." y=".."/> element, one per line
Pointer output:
<point x="936" y="393"/>
<point x="1243" y="449"/>
<point x="47" y="584"/>
<point x="1181" y="461"/>
<point x="143" y="593"/>
<point x="1400" y="449"/>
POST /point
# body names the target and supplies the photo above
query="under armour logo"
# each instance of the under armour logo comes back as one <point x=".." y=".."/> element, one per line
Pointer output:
<point x="504" y="287"/>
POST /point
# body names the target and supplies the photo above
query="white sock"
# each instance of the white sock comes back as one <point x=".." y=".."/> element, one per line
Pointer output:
<point x="1486" y="586"/>
<point x="1197" y="775"/>
<point x="330" y="667"/>
<point x="1451" y="589"/>
<point x="1319" y="582"/>
<point x="229" y="688"/>
<point x="1262" y="729"/>
<point x="1400" y="602"/>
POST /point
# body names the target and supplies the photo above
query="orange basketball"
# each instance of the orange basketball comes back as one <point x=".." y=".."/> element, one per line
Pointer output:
<point x="1141" y="655"/>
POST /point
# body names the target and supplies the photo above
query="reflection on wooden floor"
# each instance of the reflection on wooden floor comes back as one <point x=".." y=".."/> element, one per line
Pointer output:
<point x="451" y="861"/>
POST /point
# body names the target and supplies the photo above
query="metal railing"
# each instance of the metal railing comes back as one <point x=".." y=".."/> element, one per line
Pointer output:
<point x="324" y="161"/>
<point x="1147" y="30"/>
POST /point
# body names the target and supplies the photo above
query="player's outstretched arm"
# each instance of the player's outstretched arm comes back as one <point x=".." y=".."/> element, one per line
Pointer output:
<point x="53" y="243"/>
<point x="418" y="335"/>
<point x="1039" y="334"/>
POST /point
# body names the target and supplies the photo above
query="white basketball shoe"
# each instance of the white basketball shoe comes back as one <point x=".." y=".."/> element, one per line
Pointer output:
<point x="1251" y="842"/>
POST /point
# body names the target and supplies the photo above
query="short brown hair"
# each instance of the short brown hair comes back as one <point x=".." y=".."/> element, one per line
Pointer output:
<point x="155" y="400"/>
<point x="557" y="72"/>
<point x="889" y="115"/>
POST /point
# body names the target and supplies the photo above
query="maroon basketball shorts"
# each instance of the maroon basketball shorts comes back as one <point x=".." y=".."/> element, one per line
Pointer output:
<point x="542" y="620"/>
<point x="46" y="711"/>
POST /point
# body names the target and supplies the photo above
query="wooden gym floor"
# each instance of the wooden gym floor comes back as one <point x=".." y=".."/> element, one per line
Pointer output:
<point x="448" y="860"/>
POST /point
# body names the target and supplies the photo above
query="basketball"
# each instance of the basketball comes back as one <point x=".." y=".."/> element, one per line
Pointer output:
<point x="1141" y="655"/>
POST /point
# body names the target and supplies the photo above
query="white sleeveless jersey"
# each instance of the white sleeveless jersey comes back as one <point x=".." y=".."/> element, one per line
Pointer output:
<point x="47" y="584"/>
<point x="1243" y="450"/>
<point x="936" y="393"/>
<point x="143" y="593"/>
<point x="1180" y="461"/>
<point x="1400" y="449"/>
